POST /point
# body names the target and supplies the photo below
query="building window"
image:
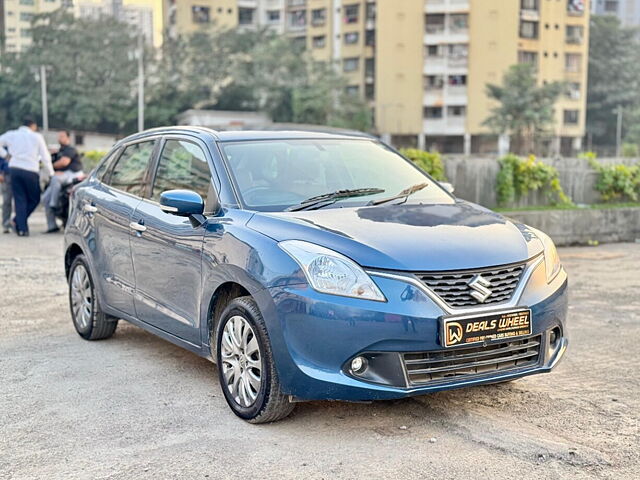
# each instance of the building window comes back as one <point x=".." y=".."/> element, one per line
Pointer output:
<point x="528" y="29"/>
<point x="575" y="34"/>
<point x="371" y="11"/>
<point x="529" y="5"/>
<point x="353" y="90"/>
<point x="457" y="80"/>
<point x="319" y="41"/>
<point x="573" y="62"/>
<point x="200" y="14"/>
<point x="529" y="58"/>
<point x="245" y="16"/>
<point x="433" y="82"/>
<point x="350" y="64"/>
<point x="351" y="13"/>
<point x="433" y="51"/>
<point x="434" y="23"/>
<point x="370" y="38"/>
<point x="432" y="112"/>
<point x="575" y="7"/>
<point x="571" y="117"/>
<point x="459" y="22"/>
<point x="369" y="67"/>
<point x="351" y="38"/>
<point x="369" y="91"/>
<point x="298" y="18"/>
<point x="456" y="111"/>
<point x="458" y="50"/>
<point x="273" y="16"/>
<point x="611" y="6"/>
<point x="573" y="91"/>
<point x="318" y="16"/>
<point x="25" y="32"/>
<point x="25" y="16"/>
<point x="27" y="2"/>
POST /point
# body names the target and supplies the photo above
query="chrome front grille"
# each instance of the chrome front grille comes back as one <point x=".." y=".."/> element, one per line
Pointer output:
<point x="442" y="365"/>
<point x="454" y="289"/>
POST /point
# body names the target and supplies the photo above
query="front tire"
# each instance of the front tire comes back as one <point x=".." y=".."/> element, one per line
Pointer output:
<point x="89" y="320"/>
<point x="246" y="368"/>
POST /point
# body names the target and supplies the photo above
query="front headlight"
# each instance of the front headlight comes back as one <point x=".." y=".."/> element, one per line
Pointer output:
<point x="552" y="263"/>
<point x="330" y="272"/>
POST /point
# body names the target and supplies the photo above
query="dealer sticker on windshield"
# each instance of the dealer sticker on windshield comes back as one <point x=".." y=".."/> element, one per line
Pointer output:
<point x="467" y="330"/>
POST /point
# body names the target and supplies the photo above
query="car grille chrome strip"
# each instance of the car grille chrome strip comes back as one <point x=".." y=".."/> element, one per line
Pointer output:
<point x="444" y="365"/>
<point x="529" y="267"/>
<point x="454" y="287"/>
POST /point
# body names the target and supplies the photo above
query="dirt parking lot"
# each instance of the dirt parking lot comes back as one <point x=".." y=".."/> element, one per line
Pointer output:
<point x="138" y="407"/>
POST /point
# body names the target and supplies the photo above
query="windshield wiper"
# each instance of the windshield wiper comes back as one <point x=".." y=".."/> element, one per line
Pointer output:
<point x="325" y="199"/>
<point x="404" y="194"/>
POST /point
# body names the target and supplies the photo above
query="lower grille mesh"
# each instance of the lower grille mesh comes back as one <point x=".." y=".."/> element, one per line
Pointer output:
<point x="426" y="367"/>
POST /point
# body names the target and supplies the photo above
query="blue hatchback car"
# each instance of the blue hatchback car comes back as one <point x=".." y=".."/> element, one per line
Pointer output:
<point x="309" y="266"/>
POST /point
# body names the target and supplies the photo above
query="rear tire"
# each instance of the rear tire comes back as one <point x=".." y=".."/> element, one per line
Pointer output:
<point x="246" y="369"/>
<point x="89" y="320"/>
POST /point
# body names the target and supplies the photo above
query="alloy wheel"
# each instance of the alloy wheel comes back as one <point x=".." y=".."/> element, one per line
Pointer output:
<point x="241" y="361"/>
<point x="81" y="297"/>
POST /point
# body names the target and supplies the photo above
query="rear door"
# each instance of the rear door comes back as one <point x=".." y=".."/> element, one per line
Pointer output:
<point x="110" y="207"/>
<point x="167" y="249"/>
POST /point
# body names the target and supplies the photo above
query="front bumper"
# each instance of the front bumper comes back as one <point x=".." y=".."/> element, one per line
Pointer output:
<point x="315" y="336"/>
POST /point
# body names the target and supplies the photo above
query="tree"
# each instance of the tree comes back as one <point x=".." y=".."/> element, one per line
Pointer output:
<point x="524" y="109"/>
<point x="614" y="79"/>
<point x="90" y="73"/>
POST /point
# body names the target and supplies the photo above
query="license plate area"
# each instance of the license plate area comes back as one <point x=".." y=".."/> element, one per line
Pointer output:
<point x="473" y="329"/>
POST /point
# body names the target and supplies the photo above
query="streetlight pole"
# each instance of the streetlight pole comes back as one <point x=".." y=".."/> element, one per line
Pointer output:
<point x="43" y="90"/>
<point x="140" y="83"/>
<point x="619" y="132"/>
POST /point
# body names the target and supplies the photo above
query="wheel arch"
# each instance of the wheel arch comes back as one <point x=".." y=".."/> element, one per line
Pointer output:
<point x="70" y="255"/>
<point x="222" y="296"/>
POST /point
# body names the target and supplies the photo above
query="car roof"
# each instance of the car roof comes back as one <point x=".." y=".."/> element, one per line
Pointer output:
<point x="270" y="133"/>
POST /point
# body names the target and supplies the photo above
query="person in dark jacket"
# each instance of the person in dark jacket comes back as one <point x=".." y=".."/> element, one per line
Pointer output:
<point x="67" y="167"/>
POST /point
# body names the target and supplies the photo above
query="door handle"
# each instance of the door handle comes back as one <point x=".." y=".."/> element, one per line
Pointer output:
<point x="138" y="227"/>
<point x="88" y="208"/>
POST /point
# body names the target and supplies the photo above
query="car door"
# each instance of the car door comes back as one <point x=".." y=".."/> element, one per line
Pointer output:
<point x="167" y="249"/>
<point x="110" y="205"/>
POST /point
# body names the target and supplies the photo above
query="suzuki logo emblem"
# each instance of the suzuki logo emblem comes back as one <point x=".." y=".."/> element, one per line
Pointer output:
<point x="480" y="286"/>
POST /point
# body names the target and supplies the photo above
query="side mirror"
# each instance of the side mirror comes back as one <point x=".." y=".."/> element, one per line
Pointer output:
<point x="447" y="186"/>
<point x="183" y="203"/>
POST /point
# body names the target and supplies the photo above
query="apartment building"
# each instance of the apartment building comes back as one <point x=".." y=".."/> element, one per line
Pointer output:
<point x="628" y="11"/>
<point x="15" y="17"/>
<point x="144" y="15"/>
<point x="470" y="43"/>
<point x="15" y="21"/>
<point x="424" y="64"/>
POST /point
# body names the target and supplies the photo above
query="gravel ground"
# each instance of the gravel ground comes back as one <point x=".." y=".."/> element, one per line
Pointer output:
<point x="138" y="407"/>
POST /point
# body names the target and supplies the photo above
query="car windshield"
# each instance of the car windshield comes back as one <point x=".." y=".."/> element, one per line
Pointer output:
<point x="273" y="175"/>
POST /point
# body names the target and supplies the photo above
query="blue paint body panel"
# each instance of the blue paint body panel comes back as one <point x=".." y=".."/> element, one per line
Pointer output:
<point x="165" y="278"/>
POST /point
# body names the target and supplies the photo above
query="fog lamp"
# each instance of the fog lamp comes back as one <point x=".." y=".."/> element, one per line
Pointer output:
<point x="358" y="365"/>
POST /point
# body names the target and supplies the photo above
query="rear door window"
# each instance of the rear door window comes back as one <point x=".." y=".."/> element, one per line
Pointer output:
<point x="128" y="174"/>
<point x="182" y="166"/>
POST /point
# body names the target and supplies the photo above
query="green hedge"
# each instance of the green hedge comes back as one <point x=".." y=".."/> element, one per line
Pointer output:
<point x="430" y="162"/>
<point x="615" y="182"/>
<point x="517" y="177"/>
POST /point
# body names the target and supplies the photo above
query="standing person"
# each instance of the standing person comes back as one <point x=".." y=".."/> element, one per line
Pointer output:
<point x="5" y="189"/>
<point x="27" y="149"/>
<point x="67" y="166"/>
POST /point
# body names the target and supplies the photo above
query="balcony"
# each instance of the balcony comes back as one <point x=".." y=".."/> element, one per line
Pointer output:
<point x="444" y="126"/>
<point x="446" y="6"/>
<point x="442" y="65"/>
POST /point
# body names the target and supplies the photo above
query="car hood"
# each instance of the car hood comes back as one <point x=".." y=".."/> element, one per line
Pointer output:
<point x="409" y="237"/>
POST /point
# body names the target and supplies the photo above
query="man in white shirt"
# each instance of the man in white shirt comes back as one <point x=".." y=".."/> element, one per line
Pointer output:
<point x="27" y="149"/>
